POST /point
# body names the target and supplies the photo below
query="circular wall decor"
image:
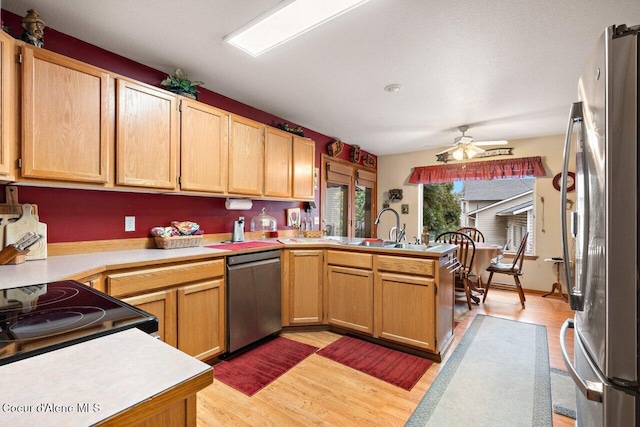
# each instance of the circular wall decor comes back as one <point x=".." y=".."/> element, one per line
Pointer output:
<point x="571" y="181"/>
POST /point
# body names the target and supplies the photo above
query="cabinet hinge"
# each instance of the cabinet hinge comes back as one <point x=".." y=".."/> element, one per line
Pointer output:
<point x="19" y="58"/>
<point x="435" y="342"/>
<point x="180" y="106"/>
<point x="435" y="289"/>
<point x="20" y="163"/>
<point x="179" y="180"/>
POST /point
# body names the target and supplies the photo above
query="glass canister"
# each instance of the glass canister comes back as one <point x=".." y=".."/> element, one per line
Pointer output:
<point x="264" y="223"/>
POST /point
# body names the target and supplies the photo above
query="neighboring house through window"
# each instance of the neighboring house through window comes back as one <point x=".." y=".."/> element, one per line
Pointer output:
<point x="501" y="208"/>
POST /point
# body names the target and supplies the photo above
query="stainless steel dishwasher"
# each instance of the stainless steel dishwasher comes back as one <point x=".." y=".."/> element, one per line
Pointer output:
<point x="253" y="298"/>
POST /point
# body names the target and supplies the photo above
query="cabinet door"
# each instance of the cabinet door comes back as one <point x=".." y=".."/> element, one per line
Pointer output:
<point x="65" y="118"/>
<point x="405" y="311"/>
<point x="204" y="147"/>
<point x="162" y="305"/>
<point x="277" y="163"/>
<point x="305" y="287"/>
<point x="304" y="160"/>
<point x="201" y="319"/>
<point x="7" y="100"/>
<point x="147" y="136"/>
<point x="350" y="296"/>
<point x="246" y="156"/>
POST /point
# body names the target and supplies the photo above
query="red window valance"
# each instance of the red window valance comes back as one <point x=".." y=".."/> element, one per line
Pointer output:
<point x="491" y="169"/>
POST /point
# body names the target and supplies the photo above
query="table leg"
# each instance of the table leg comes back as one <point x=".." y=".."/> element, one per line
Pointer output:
<point x="555" y="286"/>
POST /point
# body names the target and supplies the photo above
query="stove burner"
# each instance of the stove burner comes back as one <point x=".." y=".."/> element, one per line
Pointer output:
<point x="52" y="296"/>
<point x="47" y="323"/>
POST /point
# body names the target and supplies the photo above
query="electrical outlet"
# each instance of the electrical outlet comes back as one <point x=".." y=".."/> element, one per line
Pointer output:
<point x="316" y="220"/>
<point x="129" y="223"/>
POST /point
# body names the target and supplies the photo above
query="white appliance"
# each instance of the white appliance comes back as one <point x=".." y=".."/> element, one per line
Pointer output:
<point x="602" y="136"/>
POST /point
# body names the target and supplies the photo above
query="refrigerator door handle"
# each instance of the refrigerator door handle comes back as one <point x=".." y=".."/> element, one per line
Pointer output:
<point x="576" y="298"/>
<point x="591" y="390"/>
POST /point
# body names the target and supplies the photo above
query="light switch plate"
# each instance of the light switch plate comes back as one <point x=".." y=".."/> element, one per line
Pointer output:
<point x="129" y="223"/>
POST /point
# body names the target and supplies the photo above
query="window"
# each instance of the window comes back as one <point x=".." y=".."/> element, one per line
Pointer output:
<point x="502" y="209"/>
<point x="348" y="199"/>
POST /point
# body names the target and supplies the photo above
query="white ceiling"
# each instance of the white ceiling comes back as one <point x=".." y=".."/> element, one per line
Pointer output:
<point x="509" y="69"/>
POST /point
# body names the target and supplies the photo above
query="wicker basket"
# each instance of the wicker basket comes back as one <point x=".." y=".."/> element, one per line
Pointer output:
<point x="312" y="233"/>
<point x="178" y="242"/>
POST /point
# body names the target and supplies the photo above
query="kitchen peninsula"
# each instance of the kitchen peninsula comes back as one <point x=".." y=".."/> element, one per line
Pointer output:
<point x="408" y="304"/>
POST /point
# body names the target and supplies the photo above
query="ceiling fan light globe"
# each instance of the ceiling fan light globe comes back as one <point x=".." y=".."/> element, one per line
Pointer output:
<point x="458" y="154"/>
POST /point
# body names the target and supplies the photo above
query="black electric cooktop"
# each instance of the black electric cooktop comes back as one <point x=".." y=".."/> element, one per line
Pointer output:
<point x="40" y="318"/>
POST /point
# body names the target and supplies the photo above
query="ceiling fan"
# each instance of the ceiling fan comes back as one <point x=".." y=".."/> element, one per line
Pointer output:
<point x="464" y="147"/>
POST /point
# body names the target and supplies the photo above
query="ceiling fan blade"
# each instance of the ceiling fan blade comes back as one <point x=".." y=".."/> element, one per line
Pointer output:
<point x="447" y="150"/>
<point x="502" y="142"/>
<point x="472" y="147"/>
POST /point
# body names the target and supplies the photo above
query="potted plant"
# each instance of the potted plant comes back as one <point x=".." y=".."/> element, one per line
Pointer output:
<point x="179" y="83"/>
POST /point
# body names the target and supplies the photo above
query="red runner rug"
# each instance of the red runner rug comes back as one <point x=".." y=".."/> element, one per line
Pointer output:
<point x="250" y="372"/>
<point x="393" y="366"/>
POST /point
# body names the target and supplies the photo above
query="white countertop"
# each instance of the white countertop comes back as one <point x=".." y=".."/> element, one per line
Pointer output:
<point x="91" y="381"/>
<point x="61" y="267"/>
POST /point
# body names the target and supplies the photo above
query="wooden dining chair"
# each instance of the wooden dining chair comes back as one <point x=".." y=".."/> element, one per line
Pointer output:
<point x="466" y="254"/>
<point x="473" y="232"/>
<point x="513" y="269"/>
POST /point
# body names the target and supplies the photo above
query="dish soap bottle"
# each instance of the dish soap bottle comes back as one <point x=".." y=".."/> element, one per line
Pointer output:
<point x="424" y="238"/>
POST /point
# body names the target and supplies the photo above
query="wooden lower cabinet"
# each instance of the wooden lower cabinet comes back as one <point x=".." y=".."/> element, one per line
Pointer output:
<point x="350" y="298"/>
<point x="303" y="274"/>
<point x="201" y="319"/>
<point x="162" y="305"/>
<point x="405" y="310"/>
<point x="188" y="299"/>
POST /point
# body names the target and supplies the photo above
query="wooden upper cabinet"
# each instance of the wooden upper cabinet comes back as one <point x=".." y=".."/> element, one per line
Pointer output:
<point x="204" y="147"/>
<point x="66" y="132"/>
<point x="304" y="160"/>
<point x="7" y="103"/>
<point x="147" y="136"/>
<point x="246" y="156"/>
<point x="278" y="157"/>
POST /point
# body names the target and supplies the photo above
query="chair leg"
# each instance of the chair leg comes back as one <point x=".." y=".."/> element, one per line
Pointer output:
<point x="520" y="291"/>
<point x="467" y="291"/>
<point x="486" y="287"/>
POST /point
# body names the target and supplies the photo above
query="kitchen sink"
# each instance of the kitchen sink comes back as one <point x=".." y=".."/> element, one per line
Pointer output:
<point x="374" y="243"/>
<point x="390" y="244"/>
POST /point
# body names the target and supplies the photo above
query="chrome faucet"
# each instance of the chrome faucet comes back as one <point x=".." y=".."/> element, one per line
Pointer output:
<point x="399" y="231"/>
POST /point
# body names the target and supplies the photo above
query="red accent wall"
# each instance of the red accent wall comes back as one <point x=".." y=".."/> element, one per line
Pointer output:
<point x="81" y="215"/>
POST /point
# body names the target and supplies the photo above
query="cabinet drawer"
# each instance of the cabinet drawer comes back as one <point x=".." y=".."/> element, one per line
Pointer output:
<point x="144" y="280"/>
<point x="421" y="267"/>
<point x="350" y="259"/>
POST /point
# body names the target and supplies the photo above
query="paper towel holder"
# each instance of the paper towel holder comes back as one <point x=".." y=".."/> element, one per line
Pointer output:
<point x="238" y="204"/>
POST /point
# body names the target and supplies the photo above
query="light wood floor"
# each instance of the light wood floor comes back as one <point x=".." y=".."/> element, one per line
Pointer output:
<point x="321" y="392"/>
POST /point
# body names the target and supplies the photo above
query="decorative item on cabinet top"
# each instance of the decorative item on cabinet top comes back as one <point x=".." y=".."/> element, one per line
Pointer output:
<point x="285" y="127"/>
<point x="179" y="83"/>
<point x="355" y="153"/>
<point x="369" y="160"/>
<point x="33" y="28"/>
<point x="335" y="148"/>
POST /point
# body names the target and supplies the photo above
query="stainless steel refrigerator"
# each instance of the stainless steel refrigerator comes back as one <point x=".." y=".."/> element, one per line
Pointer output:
<point x="600" y="234"/>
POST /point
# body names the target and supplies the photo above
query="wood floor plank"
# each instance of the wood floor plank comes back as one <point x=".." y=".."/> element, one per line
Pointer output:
<point x="321" y="392"/>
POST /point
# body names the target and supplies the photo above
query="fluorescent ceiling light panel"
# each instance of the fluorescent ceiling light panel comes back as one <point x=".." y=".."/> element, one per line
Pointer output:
<point x="286" y="21"/>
